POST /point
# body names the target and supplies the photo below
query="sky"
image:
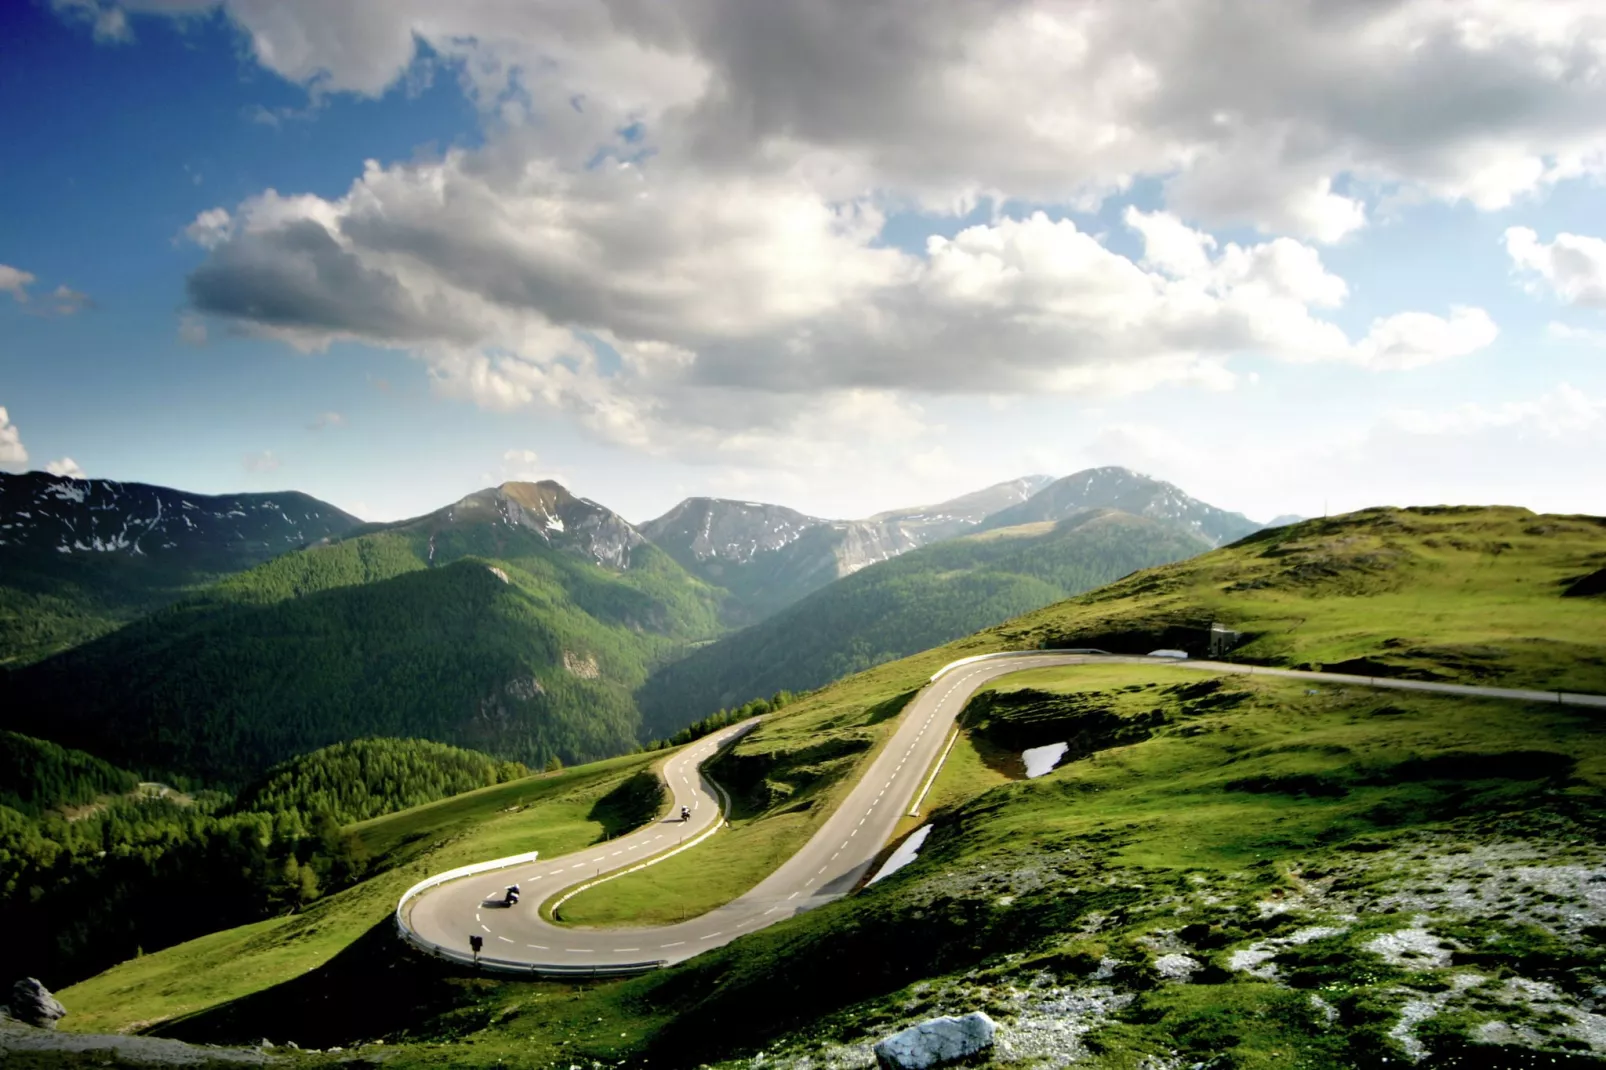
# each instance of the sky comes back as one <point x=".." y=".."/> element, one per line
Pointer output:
<point x="844" y="255"/>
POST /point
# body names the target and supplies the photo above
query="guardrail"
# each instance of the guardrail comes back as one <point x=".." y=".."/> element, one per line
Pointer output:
<point x="1013" y="654"/>
<point x="487" y="962"/>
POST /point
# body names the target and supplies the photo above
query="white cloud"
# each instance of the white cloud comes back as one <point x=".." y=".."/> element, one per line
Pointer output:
<point x="326" y="420"/>
<point x="1573" y="265"/>
<point x="1317" y="106"/>
<point x="747" y="310"/>
<point x="211" y="228"/>
<point x="15" y="281"/>
<point x="261" y="462"/>
<point x="66" y="466"/>
<point x="13" y="455"/>
<point x="1413" y="339"/>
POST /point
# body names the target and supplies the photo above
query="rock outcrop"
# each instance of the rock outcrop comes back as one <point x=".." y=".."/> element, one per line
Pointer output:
<point x="935" y="1042"/>
<point x="31" y="1002"/>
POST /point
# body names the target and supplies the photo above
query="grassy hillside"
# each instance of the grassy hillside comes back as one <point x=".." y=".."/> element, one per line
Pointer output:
<point x="368" y="778"/>
<point x="918" y="600"/>
<point x="1476" y="595"/>
<point x="527" y="656"/>
<point x="552" y="813"/>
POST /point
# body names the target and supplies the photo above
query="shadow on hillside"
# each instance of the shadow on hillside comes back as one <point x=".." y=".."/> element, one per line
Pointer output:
<point x="375" y="987"/>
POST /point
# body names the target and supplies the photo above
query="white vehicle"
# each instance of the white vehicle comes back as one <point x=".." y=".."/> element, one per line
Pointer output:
<point x="1168" y="654"/>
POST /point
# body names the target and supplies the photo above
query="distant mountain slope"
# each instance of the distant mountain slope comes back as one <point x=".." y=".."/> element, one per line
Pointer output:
<point x="945" y="520"/>
<point x="81" y="557"/>
<point x="920" y="599"/>
<point x="769" y="556"/>
<point x="1123" y="489"/>
<point x="488" y="624"/>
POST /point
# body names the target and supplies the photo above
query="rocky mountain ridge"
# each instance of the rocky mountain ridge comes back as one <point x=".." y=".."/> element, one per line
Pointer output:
<point x="547" y="509"/>
<point x="69" y="516"/>
<point x="1111" y="487"/>
<point x="768" y="556"/>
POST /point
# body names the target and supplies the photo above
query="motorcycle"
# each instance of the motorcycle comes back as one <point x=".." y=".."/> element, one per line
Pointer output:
<point x="685" y="813"/>
<point x="512" y="895"/>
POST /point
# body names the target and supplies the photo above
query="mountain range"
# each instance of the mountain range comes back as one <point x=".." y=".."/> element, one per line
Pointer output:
<point x="521" y="620"/>
<point x="769" y="556"/>
<point x="82" y="557"/>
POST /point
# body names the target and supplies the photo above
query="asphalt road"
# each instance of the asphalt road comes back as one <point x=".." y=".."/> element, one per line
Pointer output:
<point x="827" y="867"/>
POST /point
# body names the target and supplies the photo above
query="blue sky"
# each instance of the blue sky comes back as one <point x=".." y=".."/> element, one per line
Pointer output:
<point x="752" y="304"/>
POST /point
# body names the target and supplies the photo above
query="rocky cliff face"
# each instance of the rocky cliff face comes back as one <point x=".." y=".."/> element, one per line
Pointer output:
<point x="1129" y="492"/>
<point x="103" y="517"/>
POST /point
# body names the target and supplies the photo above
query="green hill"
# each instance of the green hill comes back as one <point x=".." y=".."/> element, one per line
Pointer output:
<point x="488" y="625"/>
<point x="920" y="599"/>
<point x="368" y="778"/>
<point x="36" y="775"/>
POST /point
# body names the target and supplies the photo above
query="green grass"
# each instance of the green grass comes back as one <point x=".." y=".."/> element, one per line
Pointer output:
<point x="192" y="977"/>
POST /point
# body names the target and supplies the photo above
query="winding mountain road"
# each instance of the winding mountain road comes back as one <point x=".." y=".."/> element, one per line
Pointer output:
<point x="827" y="867"/>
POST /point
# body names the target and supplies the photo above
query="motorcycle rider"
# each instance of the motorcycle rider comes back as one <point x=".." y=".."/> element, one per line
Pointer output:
<point x="685" y="813"/>
<point x="512" y="894"/>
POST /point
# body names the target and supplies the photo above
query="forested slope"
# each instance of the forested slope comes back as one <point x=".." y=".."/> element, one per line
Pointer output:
<point x="369" y="777"/>
<point x="529" y="656"/>
<point x="920" y="599"/>
<point x="36" y="775"/>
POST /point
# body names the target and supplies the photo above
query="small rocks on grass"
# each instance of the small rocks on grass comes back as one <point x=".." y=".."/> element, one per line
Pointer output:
<point x="1175" y="967"/>
<point x="937" y="1041"/>
<point x="31" y="1002"/>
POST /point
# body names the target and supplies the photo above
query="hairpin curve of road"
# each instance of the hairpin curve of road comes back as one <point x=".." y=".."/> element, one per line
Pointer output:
<point x="440" y="914"/>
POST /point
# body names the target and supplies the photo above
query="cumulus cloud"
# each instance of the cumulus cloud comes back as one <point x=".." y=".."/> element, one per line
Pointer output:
<point x="13" y="455"/>
<point x="261" y="462"/>
<point x="66" y="466"/>
<point x="1572" y="266"/>
<point x="662" y="310"/>
<point x="15" y="281"/>
<point x="1321" y="104"/>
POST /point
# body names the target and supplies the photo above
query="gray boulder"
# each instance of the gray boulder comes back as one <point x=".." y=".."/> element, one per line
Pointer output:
<point x="937" y="1041"/>
<point x="32" y="1002"/>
